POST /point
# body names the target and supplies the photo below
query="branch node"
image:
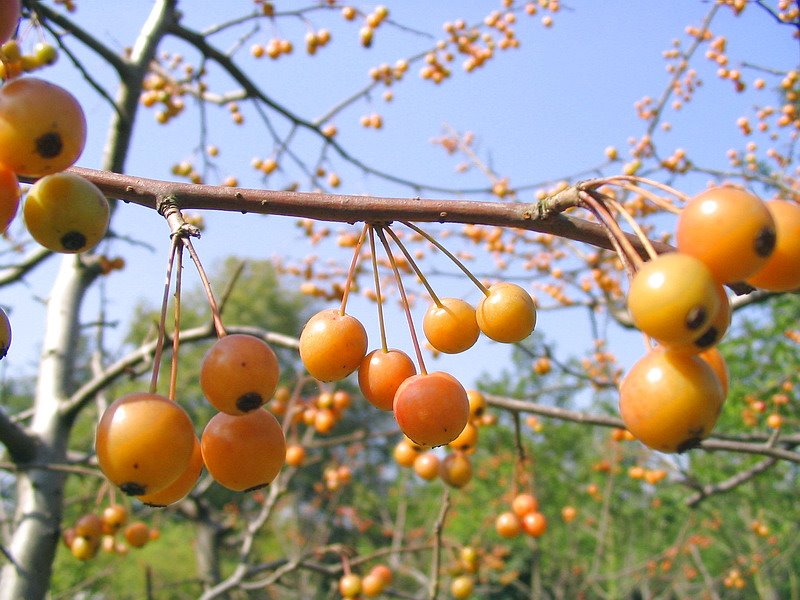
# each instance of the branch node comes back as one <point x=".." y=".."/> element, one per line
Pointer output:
<point x="167" y="207"/>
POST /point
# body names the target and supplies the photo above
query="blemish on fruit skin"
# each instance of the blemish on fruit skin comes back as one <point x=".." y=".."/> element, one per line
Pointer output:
<point x="249" y="401"/>
<point x="73" y="240"/>
<point x="764" y="243"/>
<point x="132" y="488"/>
<point x="49" y="145"/>
<point x="696" y="318"/>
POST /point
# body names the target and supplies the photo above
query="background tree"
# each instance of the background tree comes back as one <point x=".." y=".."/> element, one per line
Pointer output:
<point x="198" y="72"/>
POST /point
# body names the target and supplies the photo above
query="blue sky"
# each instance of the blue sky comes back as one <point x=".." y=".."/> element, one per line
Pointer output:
<point x="542" y="112"/>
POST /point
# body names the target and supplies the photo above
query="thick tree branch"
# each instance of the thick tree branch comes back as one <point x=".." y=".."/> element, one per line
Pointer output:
<point x="543" y="217"/>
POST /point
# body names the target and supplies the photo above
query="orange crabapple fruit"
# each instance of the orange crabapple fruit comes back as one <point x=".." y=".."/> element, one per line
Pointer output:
<point x="295" y="455"/>
<point x="42" y="127"/>
<point x="781" y="272"/>
<point x="524" y="503"/>
<point x="462" y="586"/>
<point x="9" y="197"/>
<point x="670" y="401"/>
<point x="137" y="534"/>
<point x="673" y="298"/>
<point x="467" y="440"/>
<point x="451" y="327"/>
<point x="9" y="17"/>
<point x="66" y="213"/>
<point x="431" y="408"/>
<point x="332" y="345"/>
<point x="477" y="404"/>
<point x="179" y="488"/>
<point x="508" y="524"/>
<point x="507" y="313"/>
<point x="381" y="373"/>
<point x="83" y="549"/>
<point x="405" y="453"/>
<point x="372" y="585"/>
<point x="714" y="358"/>
<point x="89" y="526"/>
<point x="350" y="585"/>
<point x="729" y="229"/>
<point x="383" y="572"/>
<point x="243" y="452"/>
<point x="5" y="333"/>
<point x="714" y="331"/>
<point x="534" y="523"/>
<point x="113" y="517"/>
<point x="455" y="469"/>
<point x="239" y="373"/>
<point x="144" y="441"/>
<point x="426" y="465"/>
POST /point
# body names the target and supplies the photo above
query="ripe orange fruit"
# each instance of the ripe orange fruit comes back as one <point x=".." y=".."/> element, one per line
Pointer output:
<point x="507" y="314"/>
<point x="372" y="585"/>
<point x="5" y="333"/>
<point x="714" y="331"/>
<point x="522" y="504"/>
<point x="730" y="230"/>
<point x="114" y="516"/>
<point x="451" y="328"/>
<point x="714" y="358"/>
<point x="83" y="548"/>
<point x="9" y="197"/>
<point x="781" y="271"/>
<point x="477" y="404"/>
<point x="381" y="373"/>
<point x="462" y="586"/>
<point x="9" y="17"/>
<point x="137" y="534"/>
<point x="295" y="455"/>
<point x="244" y="452"/>
<point x="239" y="373"/>
<point x="405" y="453"/>
<point x="534" y="523"/>
<point x="670" y="401"/>
<point x="66" y="213"/>
<point x="673" y="298"/>
<point x="508" y="525"/>
<point x="42" y="127"/>
<point x="179" y="488"/>
<point x="350" y="585"/>
<point x="456" y="469"/>
<point x="431" y="409"/>
<point x="332" y="345"/>
<point x="144" y="442"/>
<point x="426" y="465"/>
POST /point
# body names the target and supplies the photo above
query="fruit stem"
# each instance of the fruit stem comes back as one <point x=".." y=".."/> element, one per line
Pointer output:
<point x="622" y="246"/>
<point x="449" y="255"/>
<point x="351" y="273"/>
<point x="412" y="263"/>
<point x="218" y="327"/>
<point x="648" y="247"/>
<point x="163" y="317"/>
<point x="622" y="180"/>
<point x="173" y="375"/>
<point x="378" y="296"/>
<point x="404" y="298"/>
